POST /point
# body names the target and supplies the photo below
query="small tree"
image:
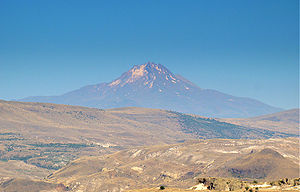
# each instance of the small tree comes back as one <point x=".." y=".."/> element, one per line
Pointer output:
<point x="162" y="187"/>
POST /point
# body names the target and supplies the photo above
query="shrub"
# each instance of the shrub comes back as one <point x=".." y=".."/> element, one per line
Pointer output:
<point x="162" y="187"/>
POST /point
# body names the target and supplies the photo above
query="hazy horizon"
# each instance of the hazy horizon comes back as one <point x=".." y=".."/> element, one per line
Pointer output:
<point x="247" y="49"/>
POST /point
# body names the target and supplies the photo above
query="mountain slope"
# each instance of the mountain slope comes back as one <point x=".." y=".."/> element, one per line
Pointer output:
<point x="50" y="135"/>
<point x="284" y="121"/>
<point x="154" y="86"/>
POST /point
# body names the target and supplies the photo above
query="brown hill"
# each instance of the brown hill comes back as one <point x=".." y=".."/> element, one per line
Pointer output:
<point x="284" y="121"/>
<point x="13" y="168"/>
<point x="38" y="137"/>
<point x="264" y="164"/>
<point x="49" y="135"/>
<point x="27" y="185"/>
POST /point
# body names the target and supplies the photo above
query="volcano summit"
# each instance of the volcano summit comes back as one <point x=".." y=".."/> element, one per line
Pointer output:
<point x="154" y="86"/>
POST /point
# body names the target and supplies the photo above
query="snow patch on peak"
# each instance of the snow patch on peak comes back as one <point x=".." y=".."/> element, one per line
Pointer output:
<point x="158" y="69"/>
<point x="115" y="83"/>
<point x="151" y="85"/>
<point x="147" y="74"/>
<point x="136" y="73"/>
<point x="173" y="78"/>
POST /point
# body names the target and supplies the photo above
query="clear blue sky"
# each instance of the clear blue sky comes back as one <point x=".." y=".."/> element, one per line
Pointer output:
<point x="244" y="48"/>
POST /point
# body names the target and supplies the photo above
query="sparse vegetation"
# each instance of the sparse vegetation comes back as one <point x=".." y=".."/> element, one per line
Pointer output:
<point x="74" y="134"/>
<point x="61" y="145"/>
<point x="162" y="187"/>
<point x="211" y="128"/>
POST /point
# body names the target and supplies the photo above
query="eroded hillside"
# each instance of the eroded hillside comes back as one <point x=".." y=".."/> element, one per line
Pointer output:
<point x="178" y="165"/>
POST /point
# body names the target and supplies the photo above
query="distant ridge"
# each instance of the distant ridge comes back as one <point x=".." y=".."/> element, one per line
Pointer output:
<point x="284" y="121"/>
<point x="154" y="86"/>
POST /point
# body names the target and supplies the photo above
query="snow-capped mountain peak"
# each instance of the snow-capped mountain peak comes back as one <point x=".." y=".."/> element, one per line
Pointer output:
<point x="146" y="74"/>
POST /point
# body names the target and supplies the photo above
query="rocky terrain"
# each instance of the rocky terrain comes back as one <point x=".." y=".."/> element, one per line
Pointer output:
<point x="154" y="86"/>
<point x="229" y="184"/>
<point x="178" y="166"/>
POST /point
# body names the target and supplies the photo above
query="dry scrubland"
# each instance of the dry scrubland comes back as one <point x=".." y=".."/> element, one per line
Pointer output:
<point x="70" y="148"/>
<point x="49" y="135"/>
<point x="178" y="166"/>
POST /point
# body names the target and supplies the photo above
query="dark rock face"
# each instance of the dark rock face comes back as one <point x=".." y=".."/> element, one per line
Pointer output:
<point x="154" y="86"/>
